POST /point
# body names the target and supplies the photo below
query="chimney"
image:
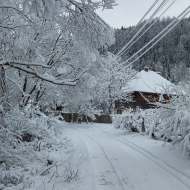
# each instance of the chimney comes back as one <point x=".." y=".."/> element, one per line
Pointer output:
<point x="146" y="69"/>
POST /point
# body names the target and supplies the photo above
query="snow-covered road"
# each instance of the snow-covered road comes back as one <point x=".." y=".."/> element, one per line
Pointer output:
<point x="110" y="161"/>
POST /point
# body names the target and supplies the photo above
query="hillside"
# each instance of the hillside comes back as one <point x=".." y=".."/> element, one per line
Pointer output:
<point x="171" y="56"/>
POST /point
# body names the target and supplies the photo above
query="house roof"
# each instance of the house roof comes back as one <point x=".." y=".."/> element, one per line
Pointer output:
<point x="149" y="81"/>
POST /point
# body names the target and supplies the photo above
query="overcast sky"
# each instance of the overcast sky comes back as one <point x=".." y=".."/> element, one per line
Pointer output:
<point x="129" y="12"/>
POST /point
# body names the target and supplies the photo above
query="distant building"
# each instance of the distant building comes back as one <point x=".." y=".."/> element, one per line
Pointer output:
<point x="146" y="88"/>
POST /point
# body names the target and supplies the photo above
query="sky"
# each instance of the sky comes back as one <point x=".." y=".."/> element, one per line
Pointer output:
<point x="129" y="12"/>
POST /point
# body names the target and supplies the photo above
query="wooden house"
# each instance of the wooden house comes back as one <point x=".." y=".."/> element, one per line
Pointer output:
<point x="147" y="87"/>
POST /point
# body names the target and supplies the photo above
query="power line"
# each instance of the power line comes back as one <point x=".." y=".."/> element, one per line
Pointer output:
<point x="152" y="16"/>
<point x="153" y="5"/>
<point x="147" y="29"/>
<point x="158" y="37"/>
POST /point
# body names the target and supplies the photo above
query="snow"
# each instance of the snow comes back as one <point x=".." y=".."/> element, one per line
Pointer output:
<point x="114" y="160"/>
<point x="93" y="57"/>
<point x="148" y="82"/>
<point x="110" y="159"/>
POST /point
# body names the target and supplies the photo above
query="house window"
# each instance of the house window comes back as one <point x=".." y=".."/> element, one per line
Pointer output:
<point x="119" y="111"/>
<point x="59" y="108"/>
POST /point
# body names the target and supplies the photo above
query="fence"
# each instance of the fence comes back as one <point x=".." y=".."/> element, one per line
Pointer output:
<point x="68" y="117"/>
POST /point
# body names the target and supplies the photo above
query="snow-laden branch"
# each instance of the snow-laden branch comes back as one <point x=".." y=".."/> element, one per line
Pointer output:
<point x="47" y="77"/>
<point x="13" y="27"/>
<point x="44" y="77"/>
<point x="15" y="62"/>
<point x="16" y="9"/>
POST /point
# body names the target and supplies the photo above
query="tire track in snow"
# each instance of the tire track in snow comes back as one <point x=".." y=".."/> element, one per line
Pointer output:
<point x="113" y="168"/>
<point x="169" y="169"/>
<point x="82" y="142"/>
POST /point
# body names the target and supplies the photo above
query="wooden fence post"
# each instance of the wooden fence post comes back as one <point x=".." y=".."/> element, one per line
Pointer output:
<point x="143" y="127"/>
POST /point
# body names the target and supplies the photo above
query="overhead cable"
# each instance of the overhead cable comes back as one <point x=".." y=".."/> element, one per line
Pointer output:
<point x="147" y="29"/>
<point x="163" y="33"/>
<point x="147" y="21"/>
<point x="153" y="5"/>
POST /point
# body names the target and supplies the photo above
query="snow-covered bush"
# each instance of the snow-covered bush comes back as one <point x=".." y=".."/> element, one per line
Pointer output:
<point x="169" y="122"/>
<point x="173" y="122"/>
<point x="11" y="177"/>
<point x="26" y="137"/>
<point x="139" y="121"/>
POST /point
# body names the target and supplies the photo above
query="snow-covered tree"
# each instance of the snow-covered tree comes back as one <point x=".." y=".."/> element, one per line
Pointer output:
<point x="110" y="80"/>
<point x="173" y="120"/>
<point x="45" y="45"/>
<point x="139" y="121"/>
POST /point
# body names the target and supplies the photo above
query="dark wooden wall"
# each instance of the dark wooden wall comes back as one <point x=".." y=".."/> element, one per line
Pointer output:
<point x="68" y="117"/>
<point x="139" y="101"/>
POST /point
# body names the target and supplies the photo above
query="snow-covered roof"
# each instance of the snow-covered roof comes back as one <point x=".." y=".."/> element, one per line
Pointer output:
<point x="149" y="81"/>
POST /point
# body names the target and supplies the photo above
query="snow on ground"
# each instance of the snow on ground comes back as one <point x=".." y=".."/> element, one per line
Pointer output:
<point x="110" y="159"/>
<point x="103" y="158"/>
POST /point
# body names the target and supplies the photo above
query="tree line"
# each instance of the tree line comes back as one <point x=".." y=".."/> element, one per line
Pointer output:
<point x="170" y="56"/>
